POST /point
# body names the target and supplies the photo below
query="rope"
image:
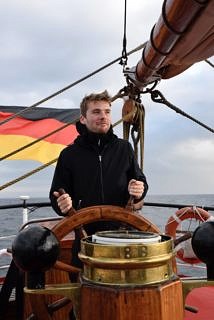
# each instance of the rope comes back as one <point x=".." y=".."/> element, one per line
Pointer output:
<point x="137" y="130"/>
<point x="124" y="118"/>
<point x="157" y="96"/>
<point x="124" y="57"/>
<point x="198" y="213"/>
<point x="177" y="219"/>
<point x="209" y="62"/>
<point x="71" y="85"/>
<point x="28" y="174"/>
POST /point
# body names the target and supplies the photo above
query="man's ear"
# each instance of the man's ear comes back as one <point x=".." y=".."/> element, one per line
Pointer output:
<point x="82" y="119"/>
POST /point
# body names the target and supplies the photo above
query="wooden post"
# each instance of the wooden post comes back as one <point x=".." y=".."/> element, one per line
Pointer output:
<point x="156" y="302"/>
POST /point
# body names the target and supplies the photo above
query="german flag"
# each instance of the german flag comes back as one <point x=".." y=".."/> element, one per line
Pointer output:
<point x="32" y="125"/>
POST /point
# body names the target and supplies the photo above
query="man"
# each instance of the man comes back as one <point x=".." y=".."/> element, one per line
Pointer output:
<point x="99" y="168"/>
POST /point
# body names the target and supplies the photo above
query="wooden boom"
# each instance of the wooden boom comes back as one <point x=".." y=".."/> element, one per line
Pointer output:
<point x="183" y="35"/>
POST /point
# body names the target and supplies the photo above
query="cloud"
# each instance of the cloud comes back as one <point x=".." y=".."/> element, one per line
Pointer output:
<point x="195" y="151"/>
<point x="182" y="167"/>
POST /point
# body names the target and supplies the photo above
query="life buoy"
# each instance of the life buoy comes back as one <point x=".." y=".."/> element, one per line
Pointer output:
<point x="175" y="220"/>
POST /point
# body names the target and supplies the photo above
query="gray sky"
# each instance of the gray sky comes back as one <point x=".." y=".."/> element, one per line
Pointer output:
<point x="48" y="44"/>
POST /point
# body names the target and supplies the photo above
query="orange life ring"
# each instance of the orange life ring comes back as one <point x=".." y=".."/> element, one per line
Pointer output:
<point x="174" y="221"/>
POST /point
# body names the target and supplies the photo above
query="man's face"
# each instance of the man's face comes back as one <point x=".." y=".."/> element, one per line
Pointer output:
<point x="98" y="117"/>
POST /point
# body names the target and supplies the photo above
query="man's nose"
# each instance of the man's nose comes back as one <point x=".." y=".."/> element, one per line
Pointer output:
<point x="103" y="114"/>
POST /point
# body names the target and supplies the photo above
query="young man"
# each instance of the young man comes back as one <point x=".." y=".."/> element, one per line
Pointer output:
<point x="97" y="169"/>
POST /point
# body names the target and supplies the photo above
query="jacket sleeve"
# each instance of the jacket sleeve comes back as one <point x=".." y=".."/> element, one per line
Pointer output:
<point x="60" y="180"/>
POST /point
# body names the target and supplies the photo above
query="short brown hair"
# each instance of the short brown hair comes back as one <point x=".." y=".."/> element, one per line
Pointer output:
<point x="102" y="96"/>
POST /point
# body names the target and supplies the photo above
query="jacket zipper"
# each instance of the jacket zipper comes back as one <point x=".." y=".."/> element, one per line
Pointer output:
<point x="101" y="176"/>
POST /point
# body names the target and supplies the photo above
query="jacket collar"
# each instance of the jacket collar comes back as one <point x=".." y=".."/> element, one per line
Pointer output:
<point x="93" y="138"/>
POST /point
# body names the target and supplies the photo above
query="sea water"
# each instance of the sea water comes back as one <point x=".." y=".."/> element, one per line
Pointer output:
<point x="11" y="220"/>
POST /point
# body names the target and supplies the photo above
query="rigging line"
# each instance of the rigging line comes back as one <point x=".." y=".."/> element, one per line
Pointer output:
<point x="30" y="173"/>
<point x="124" y="118"/>
<point x="209" y="62"/>
<point x="157" y="96"/>
<point x="124" y="57"/>
<point x="37" y="140"/>
<point x="71" y="85"/>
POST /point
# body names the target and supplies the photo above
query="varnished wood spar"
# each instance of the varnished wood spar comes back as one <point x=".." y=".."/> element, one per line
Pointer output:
<point x="160" y="302"/>
<point x="187" y="22"/>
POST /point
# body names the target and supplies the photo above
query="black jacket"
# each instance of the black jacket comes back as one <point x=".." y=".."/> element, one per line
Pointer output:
<point x="95" y="170"/>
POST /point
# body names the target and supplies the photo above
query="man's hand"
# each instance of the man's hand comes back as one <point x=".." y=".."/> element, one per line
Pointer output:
<point x="64" y="201"/>
<point x="136" y="188"/>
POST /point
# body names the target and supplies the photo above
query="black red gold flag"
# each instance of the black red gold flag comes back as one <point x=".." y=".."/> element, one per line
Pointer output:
<point x="32" y="125"/>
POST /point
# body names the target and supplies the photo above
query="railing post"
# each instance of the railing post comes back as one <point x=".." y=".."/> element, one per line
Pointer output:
<point x="25" y="209"/>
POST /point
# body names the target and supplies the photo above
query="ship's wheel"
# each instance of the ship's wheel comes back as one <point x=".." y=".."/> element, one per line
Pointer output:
<point x="77" y="219"/>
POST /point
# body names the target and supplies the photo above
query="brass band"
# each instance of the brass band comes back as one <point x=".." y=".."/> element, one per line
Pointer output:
<point x="127" y="264"/>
